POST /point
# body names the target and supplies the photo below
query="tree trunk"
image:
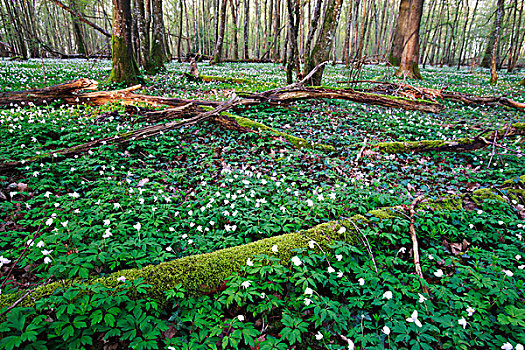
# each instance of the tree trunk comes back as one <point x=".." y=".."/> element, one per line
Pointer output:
<point x="497" y="29"/>
<point x="346" y="48"/>
<point x="410" y="57"/>
<point x="179" y="39"/>
<point x="246" y="27"/>
<point x="158" y="43"/>
<point x="276" y="33"/>
<point x="77" y="29"/>
<point x="217" y="53"/>
<point x="314" y="22"/>
<point x="399" y="35"/>
<point x="321" y="50"/>
<point x="144" y="42"/>
<point x="235" y="48"/>
<point x="125" y="68"/>
<point x="293" y="32"/>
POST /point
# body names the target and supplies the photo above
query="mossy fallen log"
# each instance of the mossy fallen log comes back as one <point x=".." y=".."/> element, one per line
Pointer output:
<point x="206" y="273"/>
<point x="457" y="145"/>
<point x="298" y="142"/>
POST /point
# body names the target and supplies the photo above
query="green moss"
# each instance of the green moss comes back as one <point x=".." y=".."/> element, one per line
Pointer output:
<point x="482" y="194"/>
<point x="205" y="273"/>
<point x="515" y="181"/>
<point x="391" y="147"/>
<point x="125" y="68"/>
<point x="446" y="204"/>
<point x="296" y="141"/>
<point x="384" y="213"/>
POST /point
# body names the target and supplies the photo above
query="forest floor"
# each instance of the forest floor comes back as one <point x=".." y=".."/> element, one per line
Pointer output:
<point x="201" y="189"/>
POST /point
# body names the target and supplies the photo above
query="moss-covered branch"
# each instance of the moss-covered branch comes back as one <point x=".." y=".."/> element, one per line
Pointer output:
<point x="296" y="141"/>
<point x="458" y="145"/>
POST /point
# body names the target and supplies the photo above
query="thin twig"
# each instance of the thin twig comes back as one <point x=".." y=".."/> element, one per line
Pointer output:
<point x="367" y="245"/>
<point x="493" y="149"/>
<point x="360" y="153"/>
<point x="23" y="297"/>
<point x="24" y="251"/>
<point x="415" y="245"/>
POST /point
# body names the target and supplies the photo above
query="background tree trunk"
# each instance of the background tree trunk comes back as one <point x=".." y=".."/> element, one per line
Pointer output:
<point x="321" y="50"/>
<point x="158" y="52"/>
<point x="125" y="68"/>
<point x="217" y="53"/>
<point x="246" y="27"/>
<point x="77" y="29"/>
<point x="399" y="35"/>
<point x="493" y="61"/>
<point x="410" y="57"/>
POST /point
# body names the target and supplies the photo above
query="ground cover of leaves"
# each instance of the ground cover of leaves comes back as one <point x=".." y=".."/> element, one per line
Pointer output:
<point x="201" y="188"/>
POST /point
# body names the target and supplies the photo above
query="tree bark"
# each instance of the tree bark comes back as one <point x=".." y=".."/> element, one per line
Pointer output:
<point x="410" y="57"/>
<point x="125" y="68"/>
<point x="399" y="35"/>
<point x="321" y="50"/>
<point x="77" y="29"/>
<point x="497" y="29"/>
<point x="158" y="52"/>
<point x="144" y="42"/>
<point x="246" y="28"/>
<point x="217" y="53"/>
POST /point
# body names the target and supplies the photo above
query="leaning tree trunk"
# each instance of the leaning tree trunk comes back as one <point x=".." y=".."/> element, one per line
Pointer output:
<point x="157" y="55"/>
<point x="408" y="66"/>
<point x="217" y="53"/>
<point x="399" y="35"/>
<point x="77" y="30"/>
<point x="125" y="68"/>
<point x="321" y="50"/>
<point x="494" y="57"/>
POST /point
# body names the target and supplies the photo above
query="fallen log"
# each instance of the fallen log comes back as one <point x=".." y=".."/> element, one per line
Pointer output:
<point x="205" y="273"/>
<point x="124" y="138"/>
<point x="458" y="145"/>
<point x="287" y="96"/>
<point x="48" y="94"/>
<point x="68" y="93"/>
<point x="442" y="94"/>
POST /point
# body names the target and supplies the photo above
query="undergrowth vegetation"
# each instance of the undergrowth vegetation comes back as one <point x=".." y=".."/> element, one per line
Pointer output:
<point x="201" y="189"/>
